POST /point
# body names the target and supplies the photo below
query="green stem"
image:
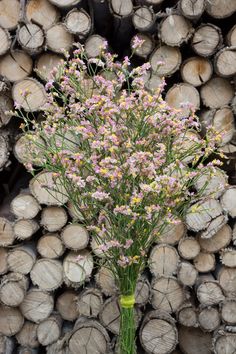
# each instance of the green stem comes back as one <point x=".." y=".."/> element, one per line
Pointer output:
<point x="127" y="331"/>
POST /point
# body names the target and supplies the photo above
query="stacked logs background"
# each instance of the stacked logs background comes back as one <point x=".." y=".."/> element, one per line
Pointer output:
<point x="51" y="302"/>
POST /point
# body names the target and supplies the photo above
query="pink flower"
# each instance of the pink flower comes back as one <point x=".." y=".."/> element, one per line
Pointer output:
<point x="128" y="244"/>
<point x="100" y="195"/>
<point x="137" y="42"/>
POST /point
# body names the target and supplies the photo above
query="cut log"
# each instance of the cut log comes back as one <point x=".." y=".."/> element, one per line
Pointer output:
<point x="205" y="262"/>
<point x="6" y="105"/>
<point x="221" y="8"/>
<point x="142" y="291"/>
<point x="194" y="341"/>
<point x="209" y="291"/>
<point x="152" y="81"/>
<point x="13" y="288"/>
<point x="9" y="14"/>
<point x="165" y="60"/>
<point x="11" y="320"/>
<point x="167" y="294"/>
<point x="37" y="305"/>
<point x="3" y="260"/>
<point x="58" y="39"/>
<point x="206" y="40"/>
<point x="47" y="190"/>
<point x="16" y="65"/>
<point x="187" y="274"/>
<point x="28" y="149"/>
<point x="227" y="280"/>
<point x="196" y="71"/>
<point x="105" y="281"/>
<point x="198" y="219"/>
<point x="5" y="41"/>
<point x="209" y="319"/>
<point x="50" y="246"/>
<point x="216" y="93"/>
<point x="183" y="94"/>
<point x="78" y="22"/>
<point x="27" y="336"/>
<point x="187" y="315"/>
<point x="7" y="345"/>
<point x="77" y="267"/>
<point x="89" y="302"/>
<point x="231" y="37"/>
<point x="25" y="228"/>
<point x="212" y="184"/>
<point x="4" y="151"/>
<point x="145" y="49"/>
<point x="109" y="315"/>
<point x="228" y="201"/>
<point x="47" y="274"/>
<point x="53" y="218"/>
<point x="222" y="120"/>
<point x="225" y="62"/>
<point x="158" y="333"/>
<point x="65" y="3"/>
<point x="49" y="330"/>
<point x="163" y="260"/>
<point x="144" y="19"/>
<point x="121" y="8"/>
<point x="172" y="233"/>
<point x="22" y="258"/>
<point x="7" y="236"/>
<point x="75" y="237"/>
<point x="42" y="13"/>
<point x="224" y="342"/>
<point x="94" y="45"/>
<point x="66" y="305"/>
<point x="25" y="206"/>
<point x="192" y="9"/>
<point x="88" y="336"/>
<point x="228" y="311"/>
<point x="175" y="30"/>
<point x="45" y="64"/>
<point x="188" y="248"/>
<point x="228" y="257"/>
<point x="29" y="94"/>
<point x="31" y="38"/>
<point x="218" y="241"/>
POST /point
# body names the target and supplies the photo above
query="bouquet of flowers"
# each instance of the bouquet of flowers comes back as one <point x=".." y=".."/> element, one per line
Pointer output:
<point x="128" y="162"/>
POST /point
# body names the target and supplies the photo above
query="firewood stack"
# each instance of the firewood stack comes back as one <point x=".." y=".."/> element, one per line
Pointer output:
<point x="53" y="302"/>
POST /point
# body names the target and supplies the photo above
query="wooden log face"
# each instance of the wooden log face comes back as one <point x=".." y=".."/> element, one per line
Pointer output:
<point x="66" y="305"/>
<point x="90" y="302"/>
<point x="172" y="234"/>
<point x="75" y="237"/>
<point x="174" y="30"/>
<point x="46" y="63"/>
<point x="121" y="7"/>
<point x="219" y="240"/>
<point x="143" y="18"/>
<point x="187" y="315"/>
<point x="53" y="218"/>
<point x="50" y="246"/>
<point x="228" y="257"/>
<point x="227" y="280"/>
<point x="167" y="294"/>
<point x="209" y="293"/>
<point x="228" y="311"/>
<point x="216" y="93"/>
<point x="221" y="8"/>
<point x="12" y="289"/>
<point x="65" y="3"/>
<point x="228" y="201"/>
<point x="47" y="274"/>
<point x="11" y="320"/>
<point x="4" y="151"/>
<point x="212" y="184"/>
<point x="28" y="149"/>
<point x="146" y="48"/>
<point x="58" y="39"/>
<point x="36" y="97"/>
<point x="42" y="13"/>
<point x="16" y="66"/>
<point x="25" y="206"/>
<point x="231" y="37"/>
<point x="165" y="60"/>
<point x="163" y="260"/>
<point x="21" y="259"/>
<point x="78" y="22"/>
<point x="187" y="274"/>
<point x="4" y="41"/>
<point x="181" y="94"/>
<point x="196" y="71"/>
<point x="3" y="260"/>
<point x="28" y="335"/>
<point x="192" y="10"/>
<point x="225" y="343"/>
<point x="6" y="104"/>
<point x="41" y="186"/>
<point x="209" y="319"/>
<point x="204" y="262"/>
<point x="6" y="232"/>
<point x="9" y="14"/>
<point x="158" y="334"/>
<point x="25" y="228"/>
<point x="89" y="337"/>
<point x="206" y="40"/>
<point x="31" y="37"/>
<point x="93" y="46"/>
<point x="225" y="62"/>
<point x="77" y="267"/>
<point x="37" y="305"/>
<point x="49" y="330"/>
<point x="105" y="280"/>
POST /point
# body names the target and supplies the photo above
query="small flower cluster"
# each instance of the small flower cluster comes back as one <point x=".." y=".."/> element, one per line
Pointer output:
<point x="128" y="161"/>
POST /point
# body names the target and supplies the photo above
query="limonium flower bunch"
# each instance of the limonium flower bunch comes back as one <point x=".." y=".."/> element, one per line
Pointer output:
<point x="128" y="162"/>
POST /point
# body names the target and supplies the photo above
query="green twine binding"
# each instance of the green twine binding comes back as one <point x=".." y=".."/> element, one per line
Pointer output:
<point x="127" y="301"/>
